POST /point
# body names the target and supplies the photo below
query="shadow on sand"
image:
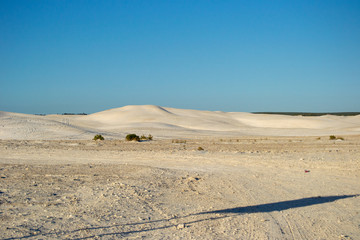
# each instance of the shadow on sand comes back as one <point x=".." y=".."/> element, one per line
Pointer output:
<point x="147" y="226"/>
<point x="280" y="206"/>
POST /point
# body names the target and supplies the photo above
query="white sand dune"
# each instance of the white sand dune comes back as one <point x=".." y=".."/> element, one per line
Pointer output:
<point x="170" y="122"/>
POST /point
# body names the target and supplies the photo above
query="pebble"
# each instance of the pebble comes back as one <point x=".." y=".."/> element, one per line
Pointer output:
<point x="344" y="237"/>
<point x="180" y="226"/>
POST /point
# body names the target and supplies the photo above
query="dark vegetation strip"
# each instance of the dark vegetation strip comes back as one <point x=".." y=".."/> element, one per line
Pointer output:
<point x="307" y="114"/>
<point x="43" y="114"/>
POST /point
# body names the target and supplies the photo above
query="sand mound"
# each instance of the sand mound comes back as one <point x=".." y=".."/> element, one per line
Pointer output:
<point x="169" y="122"/>
<point x="134" y="116"/>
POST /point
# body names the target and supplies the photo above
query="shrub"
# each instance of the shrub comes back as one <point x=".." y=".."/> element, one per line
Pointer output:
<point x="150" y="137"/>
<point x="132" y="137"/>
<point x="332" y="137"/>
<point x="98" y="137"/>
<point x="200" y="149"/>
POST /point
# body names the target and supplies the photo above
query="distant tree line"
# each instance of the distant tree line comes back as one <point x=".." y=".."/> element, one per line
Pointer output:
<point x="42" y="114"/>
<point x="307" y="114"/>
<point x="74" y="114"/>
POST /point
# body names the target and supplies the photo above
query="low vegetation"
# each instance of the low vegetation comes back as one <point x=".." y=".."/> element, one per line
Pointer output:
<point x="132" y="137"/>
<point x="178" y="141"/>
<point x="307" y="114"/>
<point x="332" y="137"/>
<point x="74" y="114"/>
<point x="148" y="138"/>
<point x="98" y="137"/>
<point x="229" y="140"/>
<point x="200" y="149"/>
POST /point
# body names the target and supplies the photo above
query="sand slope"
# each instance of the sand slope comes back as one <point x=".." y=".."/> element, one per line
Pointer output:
<point x="169" y="122"/>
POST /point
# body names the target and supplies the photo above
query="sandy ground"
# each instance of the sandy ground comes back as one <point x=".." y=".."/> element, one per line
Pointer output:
<point x="237" y="188"/>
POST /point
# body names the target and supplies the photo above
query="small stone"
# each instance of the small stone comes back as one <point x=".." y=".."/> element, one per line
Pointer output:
<point x="344" y="237"/>
<point x="180" y="226"/>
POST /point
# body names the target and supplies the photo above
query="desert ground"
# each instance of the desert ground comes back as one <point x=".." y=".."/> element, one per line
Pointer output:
<point x="256" y="177"/>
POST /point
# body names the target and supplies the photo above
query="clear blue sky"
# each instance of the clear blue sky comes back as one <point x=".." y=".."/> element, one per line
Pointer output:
<point x="88" y="56"/>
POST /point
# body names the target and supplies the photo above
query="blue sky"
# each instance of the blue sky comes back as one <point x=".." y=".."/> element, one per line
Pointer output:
<point x="88" y="56"/>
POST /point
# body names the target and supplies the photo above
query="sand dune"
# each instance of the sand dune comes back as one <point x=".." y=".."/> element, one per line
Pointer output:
<point x="170" y="122"/>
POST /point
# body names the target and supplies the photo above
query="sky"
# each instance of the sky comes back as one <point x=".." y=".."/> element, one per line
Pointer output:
<point x="79" y="56"/>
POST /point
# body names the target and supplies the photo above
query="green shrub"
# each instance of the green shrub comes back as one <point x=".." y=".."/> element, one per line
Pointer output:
<point x="132" y="137"/>
<point x="98" y="137"/>
<point x="200" y="149"/>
